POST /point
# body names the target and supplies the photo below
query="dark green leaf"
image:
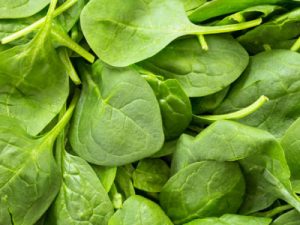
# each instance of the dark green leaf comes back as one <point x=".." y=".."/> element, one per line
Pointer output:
<point x="200" y="72"/>
<point x="151" y="175"/>
<point x="203" y="189"/>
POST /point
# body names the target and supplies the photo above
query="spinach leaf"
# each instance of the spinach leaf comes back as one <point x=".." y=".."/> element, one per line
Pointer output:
<point x="21" y="8"/>
<point x="27" y="162"/>
<point x="69" y="18"/>
<point x="274" y="74"/>
<point x="192" y="4"/>
<point x="151" y="175"/>
<point x="222" y="7"/>
<point x="291" y="145"/>
<point x="138" y="210"/>
<point x="106" y="175"/>
<point x="175" y="105"/>
<point x="33" y="80"/>
<point x="209" y="103"/>
<point x="144" y="27"/>
<point x="203" y="189"/>
<point x="259" y="154"/>
<point x="277" y="33"/>
<point x="123" y="181"/>
<point x="167" y="149"/>
<point x="200" y="72"/>
<point x="250" y="14"/>
<point x="232" y="219"/>
<point x="119" y="111"/>
<point x="82" y="198"/>
<point x="290" y="218"/>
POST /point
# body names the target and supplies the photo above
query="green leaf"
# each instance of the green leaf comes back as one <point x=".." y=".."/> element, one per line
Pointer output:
<point x="123" y="181"/>
<point x="216" y="8"/>
<point x="82" y="198"/>
<point x="151" y="175"/>
<point x="200" y="72"/>
<point x="259" y="154"/>
<point x="106" y="175"/>
<point x="175" y="105"/>
<point x="167" y="149"/>
<point x="277" y="33"/>
<point x="33" y="80"/>
<point x="291" y="145"/>
<point x="290" y="218"/>
<point x="29" y="177"/>
<point x="276" y="75"/>
<point x="232" y="219"/>
<point x="144" y="27"/>
<point x="250" y="14"/>
<point x="119" y="112"/>
<point x="208" y="103"/>
<point x="203" y="189"/>
<point x="192" y="4"/>
<point x="138" y="210"/>
<point x="20" y="8"/>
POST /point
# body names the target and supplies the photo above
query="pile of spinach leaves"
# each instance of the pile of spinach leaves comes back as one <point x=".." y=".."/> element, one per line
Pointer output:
<point x="149" y="112"/>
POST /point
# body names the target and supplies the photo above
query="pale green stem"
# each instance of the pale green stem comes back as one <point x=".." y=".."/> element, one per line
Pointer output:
<point x="38" y="23"/>
<point x="203" y="42"/>
<point x="60" y="141"/>
<point x="273" y="212"/>
<point x="235" y="115"/>
<point x="52" y="135"/>
<point x="64" y="55"/>
<point x="225" y="28"/>
<point x="296" y="45"/>
<point x="65" y="40"/>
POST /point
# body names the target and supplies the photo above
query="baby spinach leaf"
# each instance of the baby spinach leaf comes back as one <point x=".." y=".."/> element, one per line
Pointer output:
<point x="209" y="103"/>
<point x="200" y="72"/>
<point x="274" y="74"/>
<point x="167" y="149"/>
<point x="21" y="8"/>
<point x="123" y="181"/>
<point x="175" y="105"/>
<point x="71" y="16"/>
<point x="33" y="80"/>
<point x="151" y="175"/>
<point x="291" y="145"/>
<point x="82" y="198"/>
<point x="138" y="210"/>
<point x="290" y="218"/>
<point x="203" y="189"/>
<point x="275" y="33"/>
<point x="144" y="27"/>
<point x="250" y="14"/>
<point x="221" y="7"/>
<point x="117" y="119"/>
<point x="232" y="219"/>
<point x="106" y="175"/>
<point x="192" y="4"/>
<point x="29" y="177"/>
<point x="259" y="154"/>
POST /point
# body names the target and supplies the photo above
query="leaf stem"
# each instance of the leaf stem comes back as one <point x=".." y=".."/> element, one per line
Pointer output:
<point x="235" y="115"/>
<point x="64" y="55"/>
<point x="296" y="45"/>
<point x="65" y="40"/>
<point x="273" y="212"/>
<point x="38" y="23"/>
<point x="52" y="135"/>
<point x="200" y="30"/>
<point x="203" y="42"/>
